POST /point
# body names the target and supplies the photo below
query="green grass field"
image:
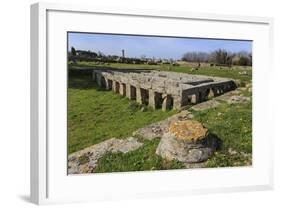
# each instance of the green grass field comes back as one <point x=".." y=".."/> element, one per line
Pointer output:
<point x="95" y="115"/>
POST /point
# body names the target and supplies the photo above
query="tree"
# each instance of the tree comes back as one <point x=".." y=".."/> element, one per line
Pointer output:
<point x="73" y="51"/>
<point x="242" y="58"/>
<point x="196" y="57"/>
<point x="143" y="57"/>
<point x="250" y="59"/>
<point x="222" y="57"/>
<point x="100" y="54"/>
<point x="244" y="61"/>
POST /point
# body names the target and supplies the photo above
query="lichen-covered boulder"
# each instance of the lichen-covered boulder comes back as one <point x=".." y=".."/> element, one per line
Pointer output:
<point x="187" y="141"/>
<point x="188" y="130"/>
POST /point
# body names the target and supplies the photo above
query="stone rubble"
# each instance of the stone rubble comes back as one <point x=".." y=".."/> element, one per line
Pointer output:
<point x="85" y="161"/>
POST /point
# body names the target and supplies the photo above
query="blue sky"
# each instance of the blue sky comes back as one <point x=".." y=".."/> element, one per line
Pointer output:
<point x="158" y="47"/>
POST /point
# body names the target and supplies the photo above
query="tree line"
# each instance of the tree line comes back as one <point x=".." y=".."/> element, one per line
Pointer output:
<point x="82" y="55"/>
<point x="219" y="57"/>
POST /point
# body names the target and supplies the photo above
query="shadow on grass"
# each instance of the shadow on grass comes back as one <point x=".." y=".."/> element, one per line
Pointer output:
<point x="81" y="77"/>
<point x="83" y="82"/>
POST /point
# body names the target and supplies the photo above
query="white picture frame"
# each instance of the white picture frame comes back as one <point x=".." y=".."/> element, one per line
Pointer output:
<point x="49" y="181"/>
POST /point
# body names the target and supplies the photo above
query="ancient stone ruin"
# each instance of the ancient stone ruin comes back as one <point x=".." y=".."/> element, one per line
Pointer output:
<point x="158" y="89"/>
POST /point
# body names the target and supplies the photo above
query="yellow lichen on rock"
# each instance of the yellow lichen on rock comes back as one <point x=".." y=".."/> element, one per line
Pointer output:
<point x="188" y="130"/>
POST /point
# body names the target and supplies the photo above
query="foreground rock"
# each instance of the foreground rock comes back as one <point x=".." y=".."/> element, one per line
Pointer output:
<point x="157" y="129"/>
<point x="85" y="161"/>
<point x="187" y="141"/>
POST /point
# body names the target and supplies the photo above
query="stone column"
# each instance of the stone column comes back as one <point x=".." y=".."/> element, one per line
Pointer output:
<point x="98" y="79"/>
<point x="151" y="100"/>
<point x="138" y="95"/>
<point x="211" y="93"/>
<point x="106" y="84"/>
<point x="121" y="89"/>
<point x="195" y="98"/>
<point x="128" y="91"/>
<point x="113" y="85"/>
<point x="167" y="102"/>
<point x="177" y="102"/>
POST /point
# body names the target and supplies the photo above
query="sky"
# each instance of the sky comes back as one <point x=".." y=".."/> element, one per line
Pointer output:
<point x="157" y="47"/>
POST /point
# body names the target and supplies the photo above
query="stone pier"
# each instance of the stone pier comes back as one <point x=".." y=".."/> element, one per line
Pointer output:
<point x="195" y="98"/>
<point x="138" y="95"/>
<point x="113" y="86"/>
<point x="167" y="102"/>
<point x="152" y="99"/>
<point x="162" y="90"/>
<point x="122" y="89"/>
